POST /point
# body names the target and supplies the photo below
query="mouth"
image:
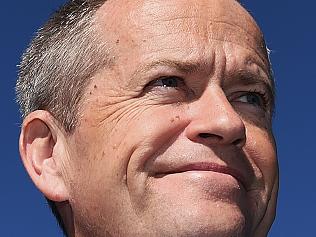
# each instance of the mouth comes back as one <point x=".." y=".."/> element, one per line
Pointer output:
<point x="207" y="167"/>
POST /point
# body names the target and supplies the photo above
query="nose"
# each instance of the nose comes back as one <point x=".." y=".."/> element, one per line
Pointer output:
<point x="214" y="121"/>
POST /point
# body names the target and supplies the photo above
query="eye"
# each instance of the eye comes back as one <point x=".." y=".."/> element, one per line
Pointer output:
<point x="253" y="98"/>
<point x="168" y="81"/>
<point x="169" y="89"/>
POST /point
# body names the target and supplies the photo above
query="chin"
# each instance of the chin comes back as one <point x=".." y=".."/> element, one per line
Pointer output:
<point x="218" y="220"/>
<point x="210" y="208"/>
<point x="201" y="218"/>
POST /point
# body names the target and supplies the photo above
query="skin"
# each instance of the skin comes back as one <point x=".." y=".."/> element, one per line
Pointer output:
<point x="193" y="155"/>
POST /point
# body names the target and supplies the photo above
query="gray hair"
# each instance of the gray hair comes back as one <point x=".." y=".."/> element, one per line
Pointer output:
<point x="57" y="66"/>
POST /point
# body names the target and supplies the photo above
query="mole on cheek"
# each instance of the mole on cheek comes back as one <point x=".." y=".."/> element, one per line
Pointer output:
<point x="175" y="118"/>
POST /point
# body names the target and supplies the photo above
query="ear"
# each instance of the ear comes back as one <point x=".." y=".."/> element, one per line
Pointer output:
<point x="42" y="150"/>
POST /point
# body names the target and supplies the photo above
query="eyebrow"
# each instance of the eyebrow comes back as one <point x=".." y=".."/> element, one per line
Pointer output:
<point x="248" y="77"/>
<point x="177" y="65"/>
<point x="183" y="67"/>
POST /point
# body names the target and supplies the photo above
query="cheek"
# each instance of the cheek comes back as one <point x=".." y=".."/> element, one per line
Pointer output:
<point x="96" y="184"/>
<point x="261" y="150"/>
<point x="111" y="157"/>
<point x="147" y="136"/>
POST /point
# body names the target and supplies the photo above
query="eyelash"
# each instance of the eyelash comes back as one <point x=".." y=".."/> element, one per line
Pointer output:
<point x="265" y="99"/>
<point x="166" y="78"/>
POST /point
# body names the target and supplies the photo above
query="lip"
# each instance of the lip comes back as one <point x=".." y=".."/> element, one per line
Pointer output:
<point x="205" y="166"/>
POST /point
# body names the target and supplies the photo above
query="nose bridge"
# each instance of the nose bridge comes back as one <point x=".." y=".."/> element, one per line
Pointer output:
<point x="217" y="104"/>
<point x="214" y="120"/>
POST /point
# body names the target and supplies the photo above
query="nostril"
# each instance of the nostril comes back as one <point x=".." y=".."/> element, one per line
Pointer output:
<point x="238" y="142"/>
<point x="205" y="135"/>
<point x="210" y="135"/>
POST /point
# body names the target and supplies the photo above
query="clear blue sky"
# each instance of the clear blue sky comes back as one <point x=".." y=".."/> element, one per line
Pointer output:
<point x="290" y="30"/>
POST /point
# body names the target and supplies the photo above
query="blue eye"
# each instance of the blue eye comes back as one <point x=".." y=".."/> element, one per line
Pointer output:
<point x="252" y="98"/>
<point x="171" y="88"/>
<point x="171" y="81"/>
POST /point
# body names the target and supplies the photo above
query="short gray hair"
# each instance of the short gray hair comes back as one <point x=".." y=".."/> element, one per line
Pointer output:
<point x="57" y="66"/>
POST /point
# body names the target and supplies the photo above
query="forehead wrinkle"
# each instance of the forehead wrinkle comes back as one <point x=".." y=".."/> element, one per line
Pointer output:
<point x="262" y="67"/>
<point x="231" y="35"/>
<point x="244" y="32"/>
<point x="213" y="36"/>
<point x="154" y="11"/>
<point x="220" y="17"/>
<point x="264" y="59"/>
<point x="257" y="37"/>
<point x="234" y="25"/>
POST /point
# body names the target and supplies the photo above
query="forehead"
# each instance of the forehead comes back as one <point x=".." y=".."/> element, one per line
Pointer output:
<point x="145" y="28"/>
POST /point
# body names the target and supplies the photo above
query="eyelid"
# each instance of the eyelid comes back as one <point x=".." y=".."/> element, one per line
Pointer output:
<point x="166" y="77"/>
<point x="264" y="97"/>
<point x="154" y="85"/>
<point x="179" y="93"/>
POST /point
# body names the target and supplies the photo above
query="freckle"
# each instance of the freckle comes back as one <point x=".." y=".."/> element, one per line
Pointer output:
<point x="172" y="120"/>
<point x="90" y="93"/>
<point x="144" y="40"/>
<point x="95" y="87"/>
<point x="117" y="41"/>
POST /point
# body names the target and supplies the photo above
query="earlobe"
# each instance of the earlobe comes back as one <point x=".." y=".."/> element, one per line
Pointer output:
<point x="42" y="151"/>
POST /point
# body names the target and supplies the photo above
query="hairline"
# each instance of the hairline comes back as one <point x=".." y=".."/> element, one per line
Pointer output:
<point x="91" y="44"/>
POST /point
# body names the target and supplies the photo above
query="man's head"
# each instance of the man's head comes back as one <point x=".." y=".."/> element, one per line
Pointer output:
<point x="166" y="122"/>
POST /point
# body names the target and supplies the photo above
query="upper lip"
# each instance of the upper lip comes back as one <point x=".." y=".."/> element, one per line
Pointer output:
<point x="208" y="166"/>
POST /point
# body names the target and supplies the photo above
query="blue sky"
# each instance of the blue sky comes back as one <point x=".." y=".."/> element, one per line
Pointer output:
<point x="290" y="32"/>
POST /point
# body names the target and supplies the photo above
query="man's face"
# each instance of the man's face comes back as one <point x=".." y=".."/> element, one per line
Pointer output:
<point x="174" y="138"/>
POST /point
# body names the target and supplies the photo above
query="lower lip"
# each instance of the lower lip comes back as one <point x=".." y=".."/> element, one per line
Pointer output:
<point x="214" y="184"/>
